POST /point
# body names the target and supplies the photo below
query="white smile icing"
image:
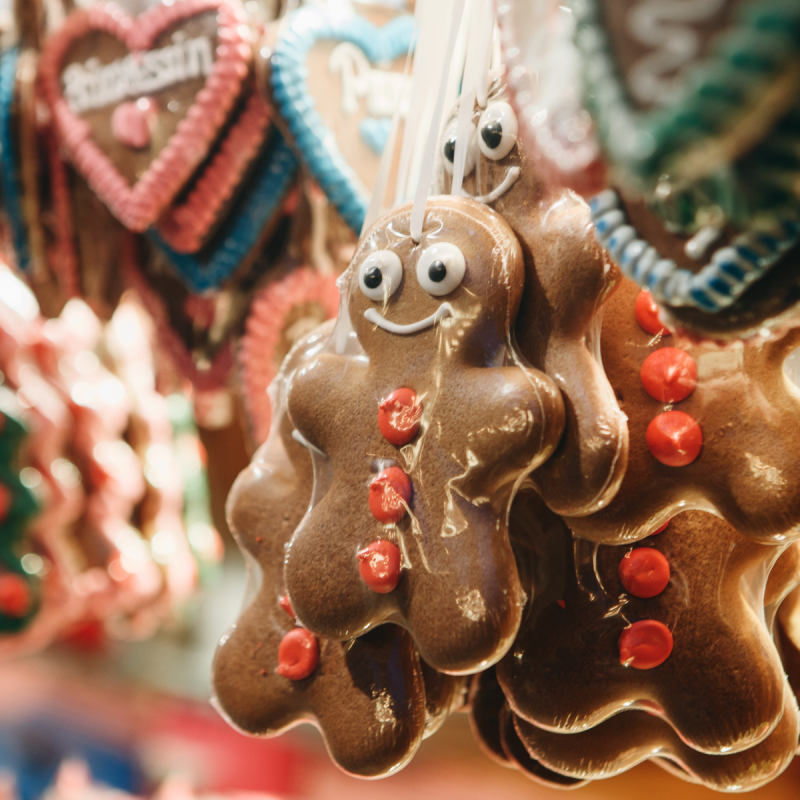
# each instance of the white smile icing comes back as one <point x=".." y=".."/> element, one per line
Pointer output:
<point x="512" y="176"/>
<point x="445" y="310"/>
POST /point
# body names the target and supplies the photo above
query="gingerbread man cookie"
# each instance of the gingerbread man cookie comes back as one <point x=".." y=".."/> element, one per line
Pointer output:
<point x="371" y="698"/>
<point x="709" y="429"/>
<point x="567" y="280"/>
<point x="673" y="626"/>
<point x="426" y="438"/>
<point x="627" y="739"/>
<point x="493" y="726"/>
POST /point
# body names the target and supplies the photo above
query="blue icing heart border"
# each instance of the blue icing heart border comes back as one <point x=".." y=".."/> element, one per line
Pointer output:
<point x="301" y="30"/>
<point x="274" y="171"/>
<point x="718" y="284"/>
<point x="9" y="159"/>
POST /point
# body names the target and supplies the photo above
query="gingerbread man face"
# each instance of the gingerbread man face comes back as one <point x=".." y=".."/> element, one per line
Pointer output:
<point x="673" y="626"/>
<point x="368" y="697"/>
<point x="425" y="440"/>
<point x="709" y="429"/>
<point x="458" y="289"/>
<point x="567" y="280"/>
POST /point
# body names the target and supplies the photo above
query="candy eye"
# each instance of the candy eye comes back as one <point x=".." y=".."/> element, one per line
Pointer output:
<point x="441" y="269"/>
<point x="497" y="131"/>
<point x="380" y="274"/>
<point x="449" y="148"/>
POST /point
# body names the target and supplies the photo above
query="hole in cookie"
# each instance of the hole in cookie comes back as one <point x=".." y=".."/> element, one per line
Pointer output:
<point x="619" y="395"/>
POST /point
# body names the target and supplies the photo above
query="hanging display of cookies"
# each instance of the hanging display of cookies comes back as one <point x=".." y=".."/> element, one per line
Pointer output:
<point x="493" y="310"/>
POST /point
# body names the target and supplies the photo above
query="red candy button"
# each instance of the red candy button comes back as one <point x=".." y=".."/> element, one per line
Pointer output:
<point x="669" y="375"/>
<point x="644" y="572"/>
<point x="379" y="565"/>
<point x="661" y="529"/>
<point x="645" y="644"/>
<point x="298" y="654"/>
<point x="286" y="605"/>
<point x="389" y="495"/>
<point x="15" y="595"/>
<point x="674" y="438"/>
<point x="399" y="415"/>
<point x="646" y="312"/>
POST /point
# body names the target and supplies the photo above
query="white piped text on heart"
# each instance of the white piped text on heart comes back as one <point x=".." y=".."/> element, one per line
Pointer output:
<point x="384" y="91"/>
<point x="94" y="85"/>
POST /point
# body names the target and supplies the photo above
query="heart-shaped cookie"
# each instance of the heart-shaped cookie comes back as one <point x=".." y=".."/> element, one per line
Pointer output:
<point x="244" y="226"/>
<point x="323" y="110"/>
<point x="138" y="102"/>
<point x="185" y="226"/>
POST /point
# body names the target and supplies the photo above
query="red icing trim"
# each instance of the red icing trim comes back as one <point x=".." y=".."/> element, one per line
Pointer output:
<point x="389" y="495"/>
<point x="264" y="331"/>
<point x="137" y="207"/>
<point x="379" y="565"/>
<point x="298" y="654"/>
<point x="674" y="438"/>
<point x="286" y="605"/>
<point x="15" y="595"/>
<point x="399" y="416"/>
<point x="646" y="312"/>
<point x="183" y="227"/>
<point x="644" y="572"/>
<point x="216" y="377"/>
<point x="645" y="644"/>
<point x="669" y="375"/>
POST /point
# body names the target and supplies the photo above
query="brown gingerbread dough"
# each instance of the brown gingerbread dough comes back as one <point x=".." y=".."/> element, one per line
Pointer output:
<point x="748" y="469"/>
<point x="568" y="278"/>
<point x="486" y="421"/>
<point x="368" y="696"/>
<point x="721" y="687"/>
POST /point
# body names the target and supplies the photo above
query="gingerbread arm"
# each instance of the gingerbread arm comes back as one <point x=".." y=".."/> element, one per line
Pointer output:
<point x="525" y="422"/>
<point x="319" y="397"/>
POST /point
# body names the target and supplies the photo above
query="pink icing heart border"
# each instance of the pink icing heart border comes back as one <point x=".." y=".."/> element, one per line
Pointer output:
<point x="137" y="207"/>
<point x="183" y="227"/>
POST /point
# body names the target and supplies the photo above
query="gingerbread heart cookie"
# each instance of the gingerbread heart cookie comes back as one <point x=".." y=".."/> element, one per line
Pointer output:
<point x="138" y="101"/>
<point x="251" y="218"/>
<point x="567" y="280"/>
<point x="426" y="437"/>
<point x="709" y="429"/>
<point x="337" y="79"/>
<point x="280" y="314"/>
<point x="367" y="696"/>
<point x="673" y="626"/>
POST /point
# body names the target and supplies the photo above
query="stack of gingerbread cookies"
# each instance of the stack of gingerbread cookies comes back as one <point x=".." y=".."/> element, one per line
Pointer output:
<point x="500" y="479"/>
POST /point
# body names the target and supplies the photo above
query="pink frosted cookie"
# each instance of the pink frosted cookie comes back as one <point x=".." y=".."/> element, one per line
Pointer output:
<point x="412" y="529"/>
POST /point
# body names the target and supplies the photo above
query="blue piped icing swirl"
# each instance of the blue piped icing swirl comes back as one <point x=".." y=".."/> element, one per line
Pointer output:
<point x="717" y="285"/>
<point x="210" y="268"/>
<point x="315" y="142"/>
